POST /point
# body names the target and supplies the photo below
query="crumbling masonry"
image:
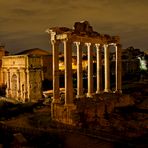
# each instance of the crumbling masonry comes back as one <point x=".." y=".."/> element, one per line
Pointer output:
<point x="81" y="35"/>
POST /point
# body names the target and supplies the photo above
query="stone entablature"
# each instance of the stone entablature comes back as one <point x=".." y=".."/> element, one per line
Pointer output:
<point x="22" y="74"/>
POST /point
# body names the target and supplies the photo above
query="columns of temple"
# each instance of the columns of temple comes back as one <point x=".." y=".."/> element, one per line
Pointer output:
<point x="79" y="70"/>
<point x="90" y="70"/>
<point x="99" y="68"/>
<point x="68" y="72"/>
<point x="118" y="69"/>
<point x="55" y="51"/>
<point x="107" y="68"/>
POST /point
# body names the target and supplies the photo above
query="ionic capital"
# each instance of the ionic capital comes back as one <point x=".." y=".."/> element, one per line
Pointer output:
<point x="67" y="41"/>
<point x="97" y="45"/>
<point x="88" y="44"/>
<point x="77" y="43"/>
<point x="105" y="46"/>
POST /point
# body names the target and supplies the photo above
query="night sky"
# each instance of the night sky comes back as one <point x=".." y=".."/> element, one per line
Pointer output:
<point x="23" y="22"/>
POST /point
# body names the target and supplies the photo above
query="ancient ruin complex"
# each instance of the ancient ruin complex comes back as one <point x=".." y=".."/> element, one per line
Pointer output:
<point x="81" y="35"/>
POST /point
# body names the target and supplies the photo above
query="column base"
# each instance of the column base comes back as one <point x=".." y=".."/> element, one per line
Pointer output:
<point x="107" y="90"/>
<point x="89" y="95"/>
<point x="80" y="96"/>
<point x="99" y="92"/>
<point x="118" y="91"/>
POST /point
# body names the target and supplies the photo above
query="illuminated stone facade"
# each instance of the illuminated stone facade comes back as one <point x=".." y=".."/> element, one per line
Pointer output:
<point x="22" y="74"/>
<point x="2" y="53"/>
<point x="46" y="61"/>
<point x="81" y="36"/>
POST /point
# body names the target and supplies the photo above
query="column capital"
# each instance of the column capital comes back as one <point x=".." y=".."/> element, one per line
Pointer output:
<point x="105" y="45"/>
<point x="112" y="44"/>
<point x="77" y="42"/>
<point x="88" y="44"/>
<point x="97" y="45"/>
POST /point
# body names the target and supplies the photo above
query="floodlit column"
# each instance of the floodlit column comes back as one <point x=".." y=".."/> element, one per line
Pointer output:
<point x="118" y="69"/>
<point x="68" y="72"/>
<point x="107" y="68"/>
<point x="26" y="84"/>
<point x="8" y="80"/>
<point x="18" y="83"/>
<point x="55" y="52"/>
<point x="99" y="68"/>
<point x="8" y="83"/>
<point x="79" y="71"/>
<point x="90" y="70"/>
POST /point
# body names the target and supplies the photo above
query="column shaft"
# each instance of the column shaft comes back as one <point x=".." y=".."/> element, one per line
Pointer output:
<point x="55" y="51"/>
<point x="8" y="84"/>
<point x="18" y="83"/>
<point x="68" y="72"/>
<point x="79" y="70"/>
<point x="90" y="70"/>
<point x="118" y="69"/>
<point x="26" y="83"/>
<point x="99" y="68"/>
<point x="107" y="68"/>
<point x="4" y="81"/>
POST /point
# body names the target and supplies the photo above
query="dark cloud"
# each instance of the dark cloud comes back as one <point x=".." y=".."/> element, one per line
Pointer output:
<point x="23" y="22"/>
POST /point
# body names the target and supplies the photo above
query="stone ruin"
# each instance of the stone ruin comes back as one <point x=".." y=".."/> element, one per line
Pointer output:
<point x="81" y="35"/>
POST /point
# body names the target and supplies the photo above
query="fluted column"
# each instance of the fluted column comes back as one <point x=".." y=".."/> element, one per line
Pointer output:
<point x="79" y="70"/>
<point x="68" y="72"/>
<point x="99" y="68"/>
<point x="55" y="51"/>
<point x="118" y="69"/>
<point x="90" y="70"/>
<point x="107" y="68"/>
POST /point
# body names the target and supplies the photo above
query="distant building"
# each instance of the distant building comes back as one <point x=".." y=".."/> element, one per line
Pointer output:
<point x="22" y="75"/>
<point x="46" y="58"/>
<point x="2" y="53"/>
